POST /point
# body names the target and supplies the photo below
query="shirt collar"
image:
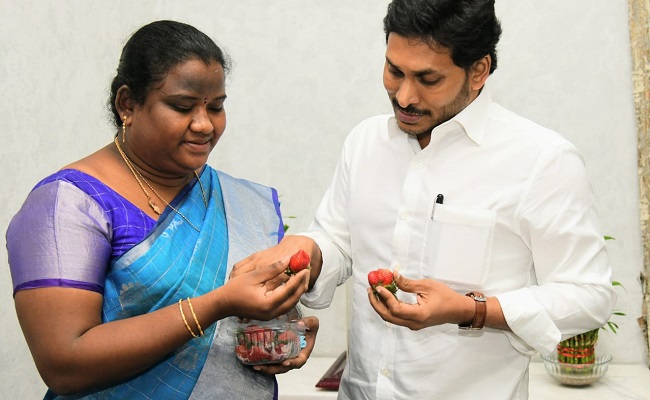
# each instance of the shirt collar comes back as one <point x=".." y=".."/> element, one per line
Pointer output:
<point x="472" y="119"/>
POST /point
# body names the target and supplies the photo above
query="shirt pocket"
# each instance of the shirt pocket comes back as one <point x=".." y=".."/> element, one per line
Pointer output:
<point x="458" y="246"/>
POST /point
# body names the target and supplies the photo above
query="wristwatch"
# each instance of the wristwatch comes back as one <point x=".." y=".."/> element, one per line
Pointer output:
<point x="479" y="312"/>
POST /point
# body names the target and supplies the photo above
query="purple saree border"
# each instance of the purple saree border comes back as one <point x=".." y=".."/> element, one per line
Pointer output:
<point x="276" y="202"/>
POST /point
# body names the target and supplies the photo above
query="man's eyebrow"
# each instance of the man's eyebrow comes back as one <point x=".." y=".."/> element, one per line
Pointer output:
<point x="391" y="63"/>
<point x="419" y="74"/>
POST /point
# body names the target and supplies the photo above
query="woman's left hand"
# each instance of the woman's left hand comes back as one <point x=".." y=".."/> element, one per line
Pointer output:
<point x="294" y="363"/>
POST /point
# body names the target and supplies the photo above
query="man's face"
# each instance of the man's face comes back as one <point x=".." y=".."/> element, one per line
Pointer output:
<point x="424" y="85"/>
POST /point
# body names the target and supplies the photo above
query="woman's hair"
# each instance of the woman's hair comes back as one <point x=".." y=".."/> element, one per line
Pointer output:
<point x="152" y="51"/>
<point x="469" y="28"/>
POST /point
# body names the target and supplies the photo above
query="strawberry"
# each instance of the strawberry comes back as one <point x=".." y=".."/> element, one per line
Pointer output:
<point x="258" y="355"/>
<point x="382" y="277"/>
<point x="242" y="352"/>
<point x="298" y="262"/>
<point x="281" y="351"/>
<point x="287" y="337"/>
<point x="373" y="278"/>
<point x="385" y="276"/>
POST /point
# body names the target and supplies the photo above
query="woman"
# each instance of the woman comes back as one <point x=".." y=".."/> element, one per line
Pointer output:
<point x="120" y="260"/>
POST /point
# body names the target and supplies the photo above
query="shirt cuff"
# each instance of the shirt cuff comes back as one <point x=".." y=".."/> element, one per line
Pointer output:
<point x="321" y="294"/>
<point x="531" y="325"/>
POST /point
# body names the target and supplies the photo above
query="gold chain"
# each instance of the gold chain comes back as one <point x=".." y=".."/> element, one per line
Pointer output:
<point x="205" y="201"/>
<point x="152" y="204"/>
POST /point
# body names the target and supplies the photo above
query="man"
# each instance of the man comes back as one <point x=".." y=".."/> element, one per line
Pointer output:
<point x="489" y="215"/>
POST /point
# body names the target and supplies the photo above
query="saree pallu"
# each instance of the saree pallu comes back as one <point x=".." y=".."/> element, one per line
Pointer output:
<point x="175" y="262"/>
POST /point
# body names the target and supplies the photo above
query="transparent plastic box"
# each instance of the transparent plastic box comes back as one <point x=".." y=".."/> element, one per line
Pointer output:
<point x="271" y="342"/>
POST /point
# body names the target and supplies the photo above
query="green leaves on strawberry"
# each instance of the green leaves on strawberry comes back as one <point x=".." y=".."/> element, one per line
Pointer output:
<point x="298" y="262"/>
<point x="382" y="277"/>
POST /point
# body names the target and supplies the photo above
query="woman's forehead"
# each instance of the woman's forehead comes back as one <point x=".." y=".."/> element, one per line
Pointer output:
<point x="194" y="76"/>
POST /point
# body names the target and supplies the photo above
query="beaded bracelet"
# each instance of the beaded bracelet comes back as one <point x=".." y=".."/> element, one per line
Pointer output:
<point x="180" y="307"/>
<point x="195" y="319"/>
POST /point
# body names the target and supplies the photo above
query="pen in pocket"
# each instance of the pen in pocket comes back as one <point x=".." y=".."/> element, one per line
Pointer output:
<point x="439" y="199"/>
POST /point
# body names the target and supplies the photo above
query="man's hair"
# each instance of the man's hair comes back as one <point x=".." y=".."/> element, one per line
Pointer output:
<point x="468" y="28"/>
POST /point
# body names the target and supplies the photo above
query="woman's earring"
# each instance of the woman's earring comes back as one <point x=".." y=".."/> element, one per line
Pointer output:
<point x="124" y="129"/>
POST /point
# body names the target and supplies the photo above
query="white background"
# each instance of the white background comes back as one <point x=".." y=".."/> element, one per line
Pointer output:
<point x="305" y="72"/>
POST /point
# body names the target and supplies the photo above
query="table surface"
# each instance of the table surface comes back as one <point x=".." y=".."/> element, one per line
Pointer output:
<point x="622" y="381"/>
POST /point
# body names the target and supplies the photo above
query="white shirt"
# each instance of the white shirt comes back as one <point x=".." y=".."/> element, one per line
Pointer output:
<point x="518" y="222"/>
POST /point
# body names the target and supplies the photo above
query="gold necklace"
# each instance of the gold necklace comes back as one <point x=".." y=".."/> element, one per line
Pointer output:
<point x="152" y="204"/>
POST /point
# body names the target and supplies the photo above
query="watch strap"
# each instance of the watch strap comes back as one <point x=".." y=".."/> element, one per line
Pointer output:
<point x="480" y="310"/>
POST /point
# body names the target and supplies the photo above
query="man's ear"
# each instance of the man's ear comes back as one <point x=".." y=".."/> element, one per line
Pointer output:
<point x="479" y="72"/>
<point x="124" y="102"/>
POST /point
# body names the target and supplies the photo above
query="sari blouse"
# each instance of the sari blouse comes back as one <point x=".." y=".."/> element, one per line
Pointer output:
<point x="44" y="243"/>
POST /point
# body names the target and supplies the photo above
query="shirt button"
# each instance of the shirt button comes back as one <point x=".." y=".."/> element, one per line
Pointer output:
<point x="404" y="215"/>
<point x="388" y="324"/>
<point x="385" y="372"/>
<point x="419" y="166"/>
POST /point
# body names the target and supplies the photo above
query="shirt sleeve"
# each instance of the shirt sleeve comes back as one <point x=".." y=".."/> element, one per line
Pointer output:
<point x="60" y="237"/>
<point x="572" y="290"/>
<point x="330" y="231"/>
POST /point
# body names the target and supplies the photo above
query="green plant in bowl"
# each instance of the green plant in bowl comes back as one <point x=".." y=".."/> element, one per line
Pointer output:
<point x="575" y="361"/>
<point x="576" y="374"/>
<point x="580" y="349"/>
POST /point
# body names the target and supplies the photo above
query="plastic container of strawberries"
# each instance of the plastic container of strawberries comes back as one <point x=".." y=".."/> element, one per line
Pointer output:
<point x="271" y="342"/>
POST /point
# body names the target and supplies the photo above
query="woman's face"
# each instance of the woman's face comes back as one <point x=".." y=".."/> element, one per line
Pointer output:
<point x="181" y="120"/>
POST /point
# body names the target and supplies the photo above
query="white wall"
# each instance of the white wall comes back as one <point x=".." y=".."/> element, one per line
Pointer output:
<point x="305" y="73"/>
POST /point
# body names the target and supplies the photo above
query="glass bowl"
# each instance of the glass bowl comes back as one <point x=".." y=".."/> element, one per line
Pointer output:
<point x="260" y="343"/>
<point x="576" y="374"/>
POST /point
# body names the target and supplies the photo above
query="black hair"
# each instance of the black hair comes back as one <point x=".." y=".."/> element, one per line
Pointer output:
<point x="469" y="28"/>
<point x="152" y="51"/>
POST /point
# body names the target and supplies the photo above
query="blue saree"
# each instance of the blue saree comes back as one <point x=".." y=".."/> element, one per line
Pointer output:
<point x="175" y="261"/>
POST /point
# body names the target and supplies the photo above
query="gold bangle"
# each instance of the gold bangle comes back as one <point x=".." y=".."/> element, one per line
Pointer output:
<point x="180" y="307"/>
<point x="194" y="316"/>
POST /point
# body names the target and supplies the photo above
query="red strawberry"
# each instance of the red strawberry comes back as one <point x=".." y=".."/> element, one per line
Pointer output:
<point x="373" y="278"/>
<point x="258" y="355"/>
<point x="386" y="276"/>
<point x="382" y="277"/>
<point x="298" y="262"/>
<point x="287" y="337"/>
<point x="242" y="352"/>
